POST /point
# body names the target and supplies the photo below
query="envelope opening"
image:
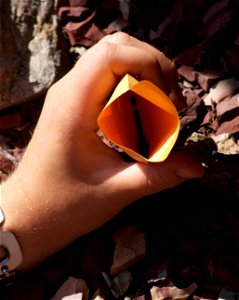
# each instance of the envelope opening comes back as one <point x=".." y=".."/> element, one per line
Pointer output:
<point x="132" y="122"/>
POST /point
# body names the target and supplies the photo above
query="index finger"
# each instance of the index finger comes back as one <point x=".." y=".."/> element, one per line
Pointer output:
<point x="169" y="70"/>
<point x="84" y="90"/>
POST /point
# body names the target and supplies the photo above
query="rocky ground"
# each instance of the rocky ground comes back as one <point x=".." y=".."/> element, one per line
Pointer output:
<point x="178" y="244"/>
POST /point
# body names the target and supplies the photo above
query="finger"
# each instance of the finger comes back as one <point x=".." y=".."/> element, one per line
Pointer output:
<point x="145" y="179"/>
<point x="121" y="38"/>
<point x="168" y="67"/>
<point x="83" y="91"/>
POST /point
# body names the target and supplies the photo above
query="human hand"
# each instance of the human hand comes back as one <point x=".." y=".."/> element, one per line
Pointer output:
<point x="69" y="182"/>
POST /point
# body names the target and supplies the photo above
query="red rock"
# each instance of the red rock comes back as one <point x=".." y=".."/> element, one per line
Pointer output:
<point x="230" y="127"/>
<point x="142" y="297"/>
<point x="227" y="105"/>
<point x="192" y="56"/>
<point x="68" y="13"/>
<point x="61" y="3"/>
<point x="193" y="102"/>
<point x="187" y="72"/>
<point x="78" y="2"/>
<point x="232" y="56"/>
<point x="92" y="36"/>
<point x="6" y="165"/>
<point x="129" y="248"/>
<point x="76" y="31"/>
<point x="10" y="120"/>
<point x="212" y="21"/>
<point x="186" y="9"/>
<point x="215" y="9"/>
<point x="200" y="92"/>
<point x="208" y="78"/>
<point x="72" y="288"/>
<point x="162" y="28"/>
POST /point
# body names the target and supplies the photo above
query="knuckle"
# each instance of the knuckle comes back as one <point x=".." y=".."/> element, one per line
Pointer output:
<point x="117" y="38"/>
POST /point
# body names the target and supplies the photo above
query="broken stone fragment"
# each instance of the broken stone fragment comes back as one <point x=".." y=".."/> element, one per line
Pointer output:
<point x="212" y="20"/>
<point x="72" y="288"/>
<point x="187" y="72"/>
<point x="231" y="127"/>
<point x="72" y="13"/>
<point x="221" y="90"/>
<point x="207" y="78"/>
<point x="229" y="106"/>
<point x="172" y="292"/>
<point x="191" y="112"/>
<point x="225" y="144"/>
<point x="191" y="56"/>
<point x="129" y="248"/>
<point x="75" y="31"/>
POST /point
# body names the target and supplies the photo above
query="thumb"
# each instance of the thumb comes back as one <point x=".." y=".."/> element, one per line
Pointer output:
<point x="146" y="179"/>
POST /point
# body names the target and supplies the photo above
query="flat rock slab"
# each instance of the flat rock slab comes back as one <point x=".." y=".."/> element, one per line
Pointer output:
<point x="30" y="50"/>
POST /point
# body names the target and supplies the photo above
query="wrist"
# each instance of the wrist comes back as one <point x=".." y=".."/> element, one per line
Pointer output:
<point x="10" y="251"/>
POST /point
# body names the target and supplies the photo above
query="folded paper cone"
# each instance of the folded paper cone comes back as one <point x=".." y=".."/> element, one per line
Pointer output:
<point x="141" y="120"/>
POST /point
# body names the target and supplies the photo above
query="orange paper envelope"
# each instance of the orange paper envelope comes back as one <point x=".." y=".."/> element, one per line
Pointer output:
<point x="141" y="120"/>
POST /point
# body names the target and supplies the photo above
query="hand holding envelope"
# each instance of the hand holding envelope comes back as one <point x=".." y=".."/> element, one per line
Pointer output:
<point x="141" y="120"/>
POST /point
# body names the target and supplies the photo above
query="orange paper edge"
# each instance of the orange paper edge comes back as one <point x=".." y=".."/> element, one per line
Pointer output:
<point x="157" y="97"/>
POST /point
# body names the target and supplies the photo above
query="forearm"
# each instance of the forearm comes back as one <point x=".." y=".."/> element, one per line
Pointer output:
<point x="26" y="221"/>
<point x="43" y="224"/>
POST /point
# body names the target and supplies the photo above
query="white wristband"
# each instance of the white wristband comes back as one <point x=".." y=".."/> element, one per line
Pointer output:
<point x="14" y="254"/>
